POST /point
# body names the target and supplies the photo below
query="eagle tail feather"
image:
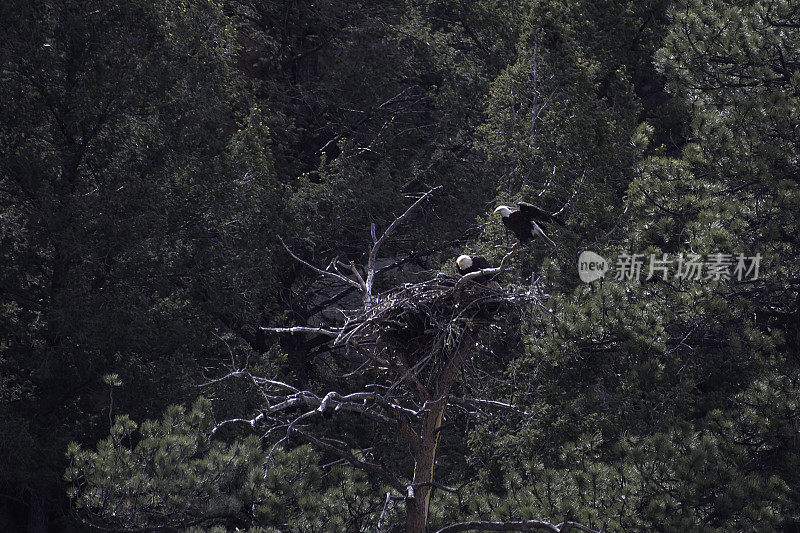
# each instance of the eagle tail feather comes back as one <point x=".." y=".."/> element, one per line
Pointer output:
<point x="536" y="231"/>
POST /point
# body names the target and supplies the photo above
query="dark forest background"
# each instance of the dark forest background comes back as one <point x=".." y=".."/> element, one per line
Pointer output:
<point x="151" y="153"/>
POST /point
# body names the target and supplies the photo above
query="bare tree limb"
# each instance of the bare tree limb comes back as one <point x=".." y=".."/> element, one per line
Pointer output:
<point x="334" y="275"/>
<point x="408" y="372"/>
<point x="490" y="403"/>
<point x="251" y="422"/>
<point x="575" y="192"/>
<point x="352" y="267"/>
<point x="303" y="329"/>
<point x="373" y="252"/>
<point x="372" y="468"/>
<point x="385" y="508"/>
<point x="436" y="485"/>
<point x="520" y="525"/>
<point x="265" y="381"/>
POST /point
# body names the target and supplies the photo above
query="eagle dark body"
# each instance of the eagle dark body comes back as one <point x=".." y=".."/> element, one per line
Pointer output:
<point x="524" y="221"/>
<point x="468" y="264"/>
<point x="478" y="263"/>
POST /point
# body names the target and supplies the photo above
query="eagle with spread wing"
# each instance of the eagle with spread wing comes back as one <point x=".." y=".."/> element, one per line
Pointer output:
<point x="526" y="222"/>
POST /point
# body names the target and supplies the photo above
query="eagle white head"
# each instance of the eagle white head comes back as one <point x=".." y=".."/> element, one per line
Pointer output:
<point x="464" y="262"/>
<point x="502" y="210"/>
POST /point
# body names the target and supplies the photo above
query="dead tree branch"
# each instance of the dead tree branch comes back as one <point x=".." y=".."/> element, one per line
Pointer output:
<point x="372" y="468"/>
<point x="302" y="329"/>
<point x="328" y="273"/>
<point x="521" y="525"/>
<point x="377" y="242"/>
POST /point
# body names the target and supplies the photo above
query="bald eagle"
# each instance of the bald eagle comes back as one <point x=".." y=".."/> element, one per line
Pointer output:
<point x="527" y="221"/>
<point x="473" y="263"/>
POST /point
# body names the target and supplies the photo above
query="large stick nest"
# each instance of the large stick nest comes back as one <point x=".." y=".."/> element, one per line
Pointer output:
<point x="431" y="316"/>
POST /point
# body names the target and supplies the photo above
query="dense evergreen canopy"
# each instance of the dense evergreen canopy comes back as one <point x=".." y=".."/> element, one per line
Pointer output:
<point x="183" y="182"/>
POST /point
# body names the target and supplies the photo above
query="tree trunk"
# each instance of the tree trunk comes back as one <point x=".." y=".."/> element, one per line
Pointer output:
<point x="425" y="460"/>
<point x="425" y="453"/>
<point x="37" y="513"/>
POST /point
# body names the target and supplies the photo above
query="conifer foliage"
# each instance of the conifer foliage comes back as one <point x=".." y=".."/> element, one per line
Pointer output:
<point x="204" y="327"/>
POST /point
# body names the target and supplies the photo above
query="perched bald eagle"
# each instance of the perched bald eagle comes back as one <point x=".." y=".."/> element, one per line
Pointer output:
<point x="527" y="221"/>
<point x="473" y="263"/>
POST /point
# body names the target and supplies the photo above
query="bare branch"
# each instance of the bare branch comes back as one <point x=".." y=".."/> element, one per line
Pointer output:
<point x="436" y="485"/>
<point x="478" y="274"/>
<point x="490" y="403"/>
<point x="269" y="457"/>
<point x="373" y="253"/>
<point x="328" y="273"/>
<point x="372" y="468"/>
<point x="481" y="525"/>
<point x="408" y="372"/>
<point x="274" y="383"/>
<point x="251" y="422"/>
<point x="385" y="508"/>
<point x="352" y="267"/>
<point x="518" y="525"/>
<point x="577" y="189"/>
<point x="234" y="374"/>
<point x="303" y="329"/>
